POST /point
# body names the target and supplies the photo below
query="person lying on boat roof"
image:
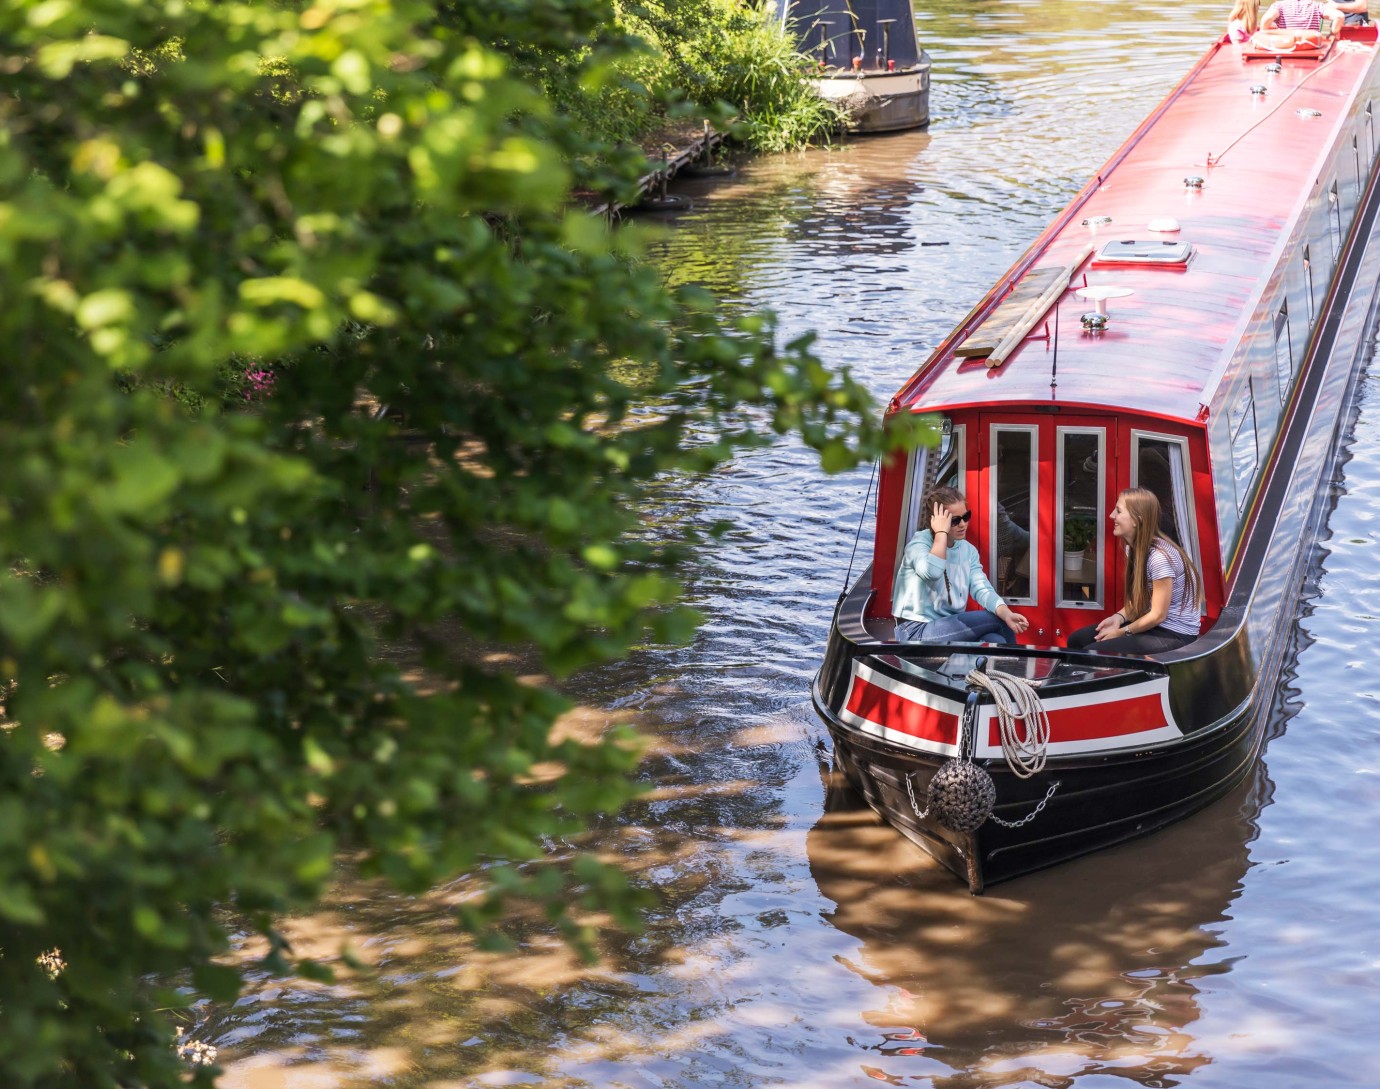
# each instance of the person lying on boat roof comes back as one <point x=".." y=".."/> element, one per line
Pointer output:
<point x="1164" y="591"/>
<point x="939" y="571"/>
<point x="1302" y="15"/>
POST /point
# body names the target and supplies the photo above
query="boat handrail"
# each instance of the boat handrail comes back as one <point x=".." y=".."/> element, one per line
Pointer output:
<point x="1073" y="657"/>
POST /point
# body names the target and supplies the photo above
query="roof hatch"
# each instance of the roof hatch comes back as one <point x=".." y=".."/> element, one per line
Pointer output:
<point x="1156" y="252"/>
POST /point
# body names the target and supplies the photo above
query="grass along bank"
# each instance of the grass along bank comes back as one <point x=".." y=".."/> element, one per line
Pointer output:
<point x="724" y="60"/>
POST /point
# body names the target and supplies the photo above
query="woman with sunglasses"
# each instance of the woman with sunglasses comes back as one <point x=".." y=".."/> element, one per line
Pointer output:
<point x="939" y="571"/>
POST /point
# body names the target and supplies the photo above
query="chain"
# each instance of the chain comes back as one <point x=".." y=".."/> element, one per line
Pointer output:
<point x="923" y="814"/>
<point x="913" y="804"/>
<point x="1028" y="817"/>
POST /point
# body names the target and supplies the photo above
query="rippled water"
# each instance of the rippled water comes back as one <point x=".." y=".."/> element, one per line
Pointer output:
<point x="798" y="941"/>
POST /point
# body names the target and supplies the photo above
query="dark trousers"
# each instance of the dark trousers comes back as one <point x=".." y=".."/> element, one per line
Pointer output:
<point x="1154" y="641"/>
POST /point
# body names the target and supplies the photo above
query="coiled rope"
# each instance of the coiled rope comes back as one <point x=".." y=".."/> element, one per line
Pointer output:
<point x="1017" y="699"/>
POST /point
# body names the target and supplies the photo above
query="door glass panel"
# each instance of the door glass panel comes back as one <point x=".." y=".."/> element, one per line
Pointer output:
<point x="1160" y="467"/>
<point x="1080" y="518"/>
<point x="1013" y="513"/>
<point x="942" y="465"/>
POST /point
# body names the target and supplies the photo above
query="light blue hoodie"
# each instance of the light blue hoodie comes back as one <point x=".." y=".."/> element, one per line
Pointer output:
<point x="919" y="592"/>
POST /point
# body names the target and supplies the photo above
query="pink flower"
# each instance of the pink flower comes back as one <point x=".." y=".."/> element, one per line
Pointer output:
<point x="258" y="383"/>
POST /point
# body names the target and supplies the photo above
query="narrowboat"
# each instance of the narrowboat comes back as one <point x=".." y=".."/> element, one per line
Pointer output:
<point x="1193" y="322"/>
<point x="869" y="59"/>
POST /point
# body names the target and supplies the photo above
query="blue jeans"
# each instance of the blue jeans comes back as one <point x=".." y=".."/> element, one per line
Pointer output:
<point x="970" y="627"/>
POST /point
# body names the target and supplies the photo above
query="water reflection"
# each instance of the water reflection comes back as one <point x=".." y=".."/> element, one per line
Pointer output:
<point x="1091" y="968"/>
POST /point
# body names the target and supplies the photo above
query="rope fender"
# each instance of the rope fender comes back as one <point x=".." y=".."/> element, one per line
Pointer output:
<point x="961" y="794"/>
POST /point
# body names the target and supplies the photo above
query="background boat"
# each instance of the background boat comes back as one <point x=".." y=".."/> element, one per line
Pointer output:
<point x="870" y="60"/>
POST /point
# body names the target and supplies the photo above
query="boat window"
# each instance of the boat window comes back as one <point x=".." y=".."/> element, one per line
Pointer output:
<point x="1284" y="351"/>
<point x="1334" y="221"/>
<point x="1160" y="463"/>
<point x="1245" y="452"/>
<point x="942" y="464"/>
<point x="1080" y="529"/>
<point x="1356" y="158"/>
<point x="1308" y="283"/>
<point x="1370" y="128"/>
<point x="1012" y="546"/>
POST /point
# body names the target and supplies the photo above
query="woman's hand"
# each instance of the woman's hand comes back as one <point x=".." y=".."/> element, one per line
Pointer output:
<point x="941" y="521"/>
<point x="1013" y="620"/>
<point x="1109" y="627"/>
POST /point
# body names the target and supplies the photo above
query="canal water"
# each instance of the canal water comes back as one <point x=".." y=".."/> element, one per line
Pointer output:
<point x="797" y="941"/>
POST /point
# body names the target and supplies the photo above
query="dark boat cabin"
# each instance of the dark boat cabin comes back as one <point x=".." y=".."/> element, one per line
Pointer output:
<point x="855" y="35"/>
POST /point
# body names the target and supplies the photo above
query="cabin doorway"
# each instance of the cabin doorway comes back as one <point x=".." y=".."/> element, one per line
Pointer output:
<point x="1047" y="485"/>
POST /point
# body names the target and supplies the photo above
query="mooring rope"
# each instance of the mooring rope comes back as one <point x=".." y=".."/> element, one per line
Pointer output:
<point x="1017" y="699"/>
<point x="848" y="578"/>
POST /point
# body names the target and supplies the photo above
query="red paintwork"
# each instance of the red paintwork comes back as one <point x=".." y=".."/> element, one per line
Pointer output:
<point x="897" y="712"/>
<point x="1233" y="222"/>
<point x="1259" y="160"/>
<point x="1106" y="718"/>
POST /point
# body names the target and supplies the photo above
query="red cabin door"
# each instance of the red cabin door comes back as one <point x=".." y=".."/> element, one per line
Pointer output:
<point x="1046" y="485"/>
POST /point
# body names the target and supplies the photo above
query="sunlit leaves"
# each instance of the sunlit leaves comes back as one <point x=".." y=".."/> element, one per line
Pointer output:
<point x="243" y="631"/>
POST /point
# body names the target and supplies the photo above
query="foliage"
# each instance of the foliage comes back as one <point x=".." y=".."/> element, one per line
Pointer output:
<point x="1078" y="531"/>
<point x="727" y="60"/>
<point x="757" y="68"/>
<point x="197" y="718"/>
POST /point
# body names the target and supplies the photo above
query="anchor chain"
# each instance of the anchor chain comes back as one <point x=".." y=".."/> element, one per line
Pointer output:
<point x="1040" y="808"/>
<point x="922" y="814"/>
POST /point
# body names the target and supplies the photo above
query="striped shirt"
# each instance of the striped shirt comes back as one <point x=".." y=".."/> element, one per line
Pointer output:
<point x="1166" y="563"/>
<point x="1299" y="15"/>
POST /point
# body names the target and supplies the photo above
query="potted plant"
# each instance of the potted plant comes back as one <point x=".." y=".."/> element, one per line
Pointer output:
<point x="1078" y="532"/>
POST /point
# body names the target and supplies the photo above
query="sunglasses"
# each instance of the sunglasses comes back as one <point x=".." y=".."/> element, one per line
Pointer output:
<point x="964" y="517"/>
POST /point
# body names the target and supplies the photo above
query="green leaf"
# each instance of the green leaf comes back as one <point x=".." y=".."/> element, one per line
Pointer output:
<point x="18" y="905"/>
<point x="218" y="982"/>
<point x="143" y="478"/>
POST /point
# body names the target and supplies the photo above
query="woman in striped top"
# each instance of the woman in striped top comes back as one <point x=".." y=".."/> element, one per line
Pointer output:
<point x="1164" y="592"/>
<point x="1302" y="15"/>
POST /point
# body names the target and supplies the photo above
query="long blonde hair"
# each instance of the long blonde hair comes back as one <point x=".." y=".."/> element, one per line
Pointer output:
<point x="1144" y="506"/>
<point x="1248" y="11"/>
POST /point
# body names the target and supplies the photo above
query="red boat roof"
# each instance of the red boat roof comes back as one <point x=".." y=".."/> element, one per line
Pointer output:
<point x="1167" y="342"/>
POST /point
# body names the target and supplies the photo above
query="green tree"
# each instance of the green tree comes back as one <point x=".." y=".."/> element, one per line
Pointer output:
<point x="471" y="386"/>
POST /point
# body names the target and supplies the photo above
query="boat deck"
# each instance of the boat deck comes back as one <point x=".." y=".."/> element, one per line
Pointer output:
<point x="1257" y="139"/>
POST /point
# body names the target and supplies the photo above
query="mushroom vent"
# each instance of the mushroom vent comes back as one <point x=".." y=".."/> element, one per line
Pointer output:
<point x="1153" y="252"/>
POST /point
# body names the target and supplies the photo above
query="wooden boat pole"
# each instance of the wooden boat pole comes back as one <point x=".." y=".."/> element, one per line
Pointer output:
<point x="1037" y="311"/>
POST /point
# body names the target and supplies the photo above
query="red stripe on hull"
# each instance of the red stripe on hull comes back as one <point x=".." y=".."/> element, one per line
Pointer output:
<point x="896" y="712"/>
<point x="1111" y="718"/>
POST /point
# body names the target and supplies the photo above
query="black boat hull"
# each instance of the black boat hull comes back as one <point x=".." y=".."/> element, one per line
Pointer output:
<point x="1074" y="807"/>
